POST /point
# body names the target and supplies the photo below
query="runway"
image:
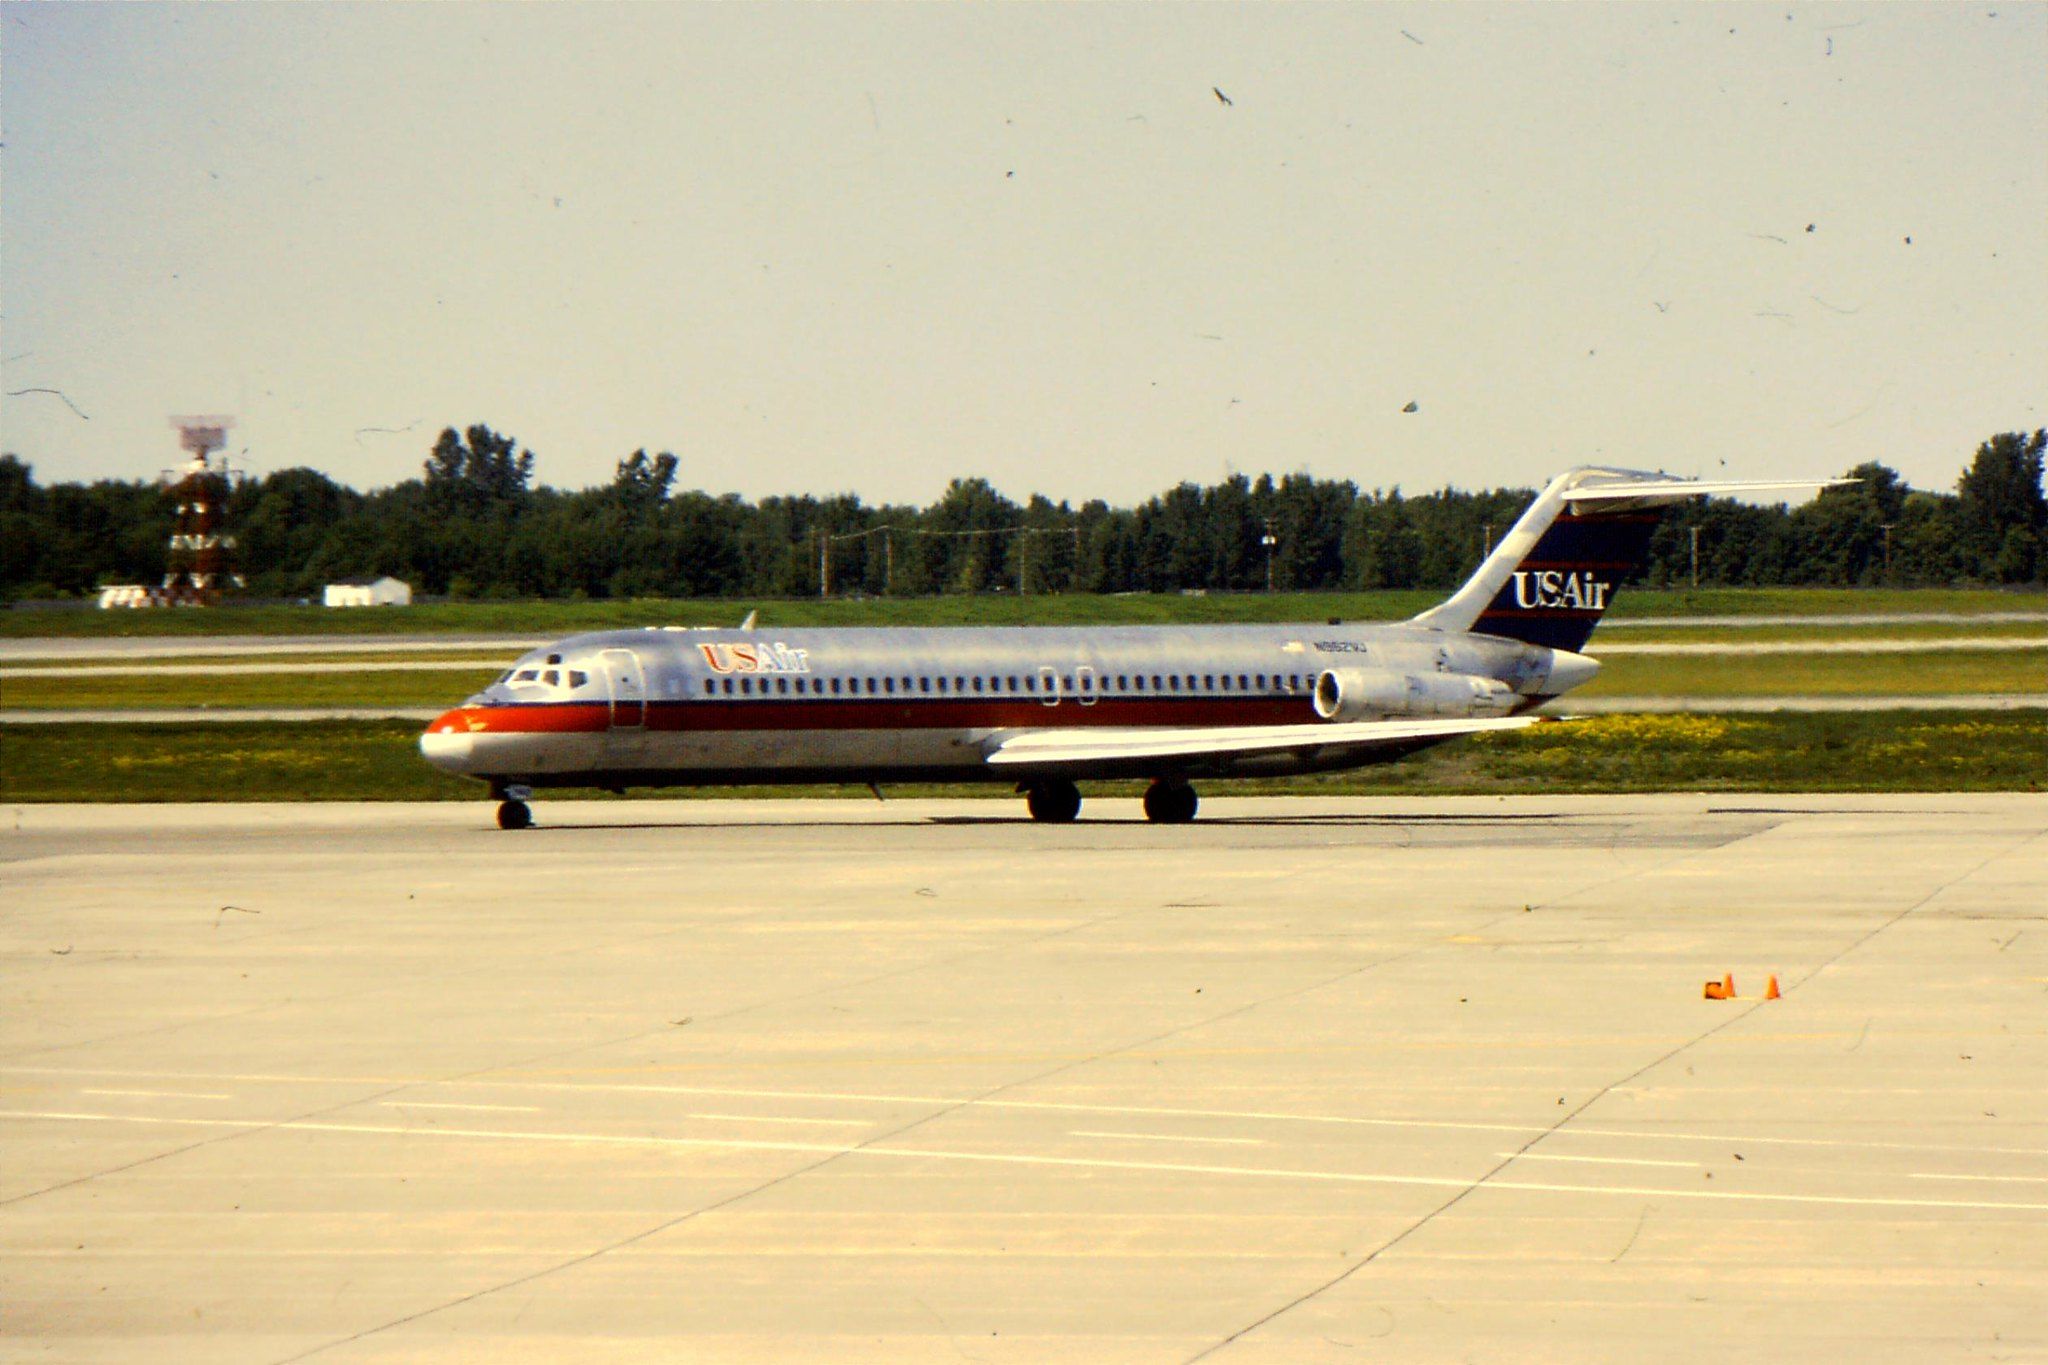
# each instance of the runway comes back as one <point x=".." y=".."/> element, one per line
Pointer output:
<point x="793" y="1080"/>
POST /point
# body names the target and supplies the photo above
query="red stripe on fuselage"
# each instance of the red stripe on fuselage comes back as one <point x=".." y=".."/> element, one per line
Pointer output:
<point x="882" y="713"/>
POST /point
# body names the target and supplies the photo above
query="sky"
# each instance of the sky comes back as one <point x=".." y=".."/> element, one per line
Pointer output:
<point x="1084" y="250"/>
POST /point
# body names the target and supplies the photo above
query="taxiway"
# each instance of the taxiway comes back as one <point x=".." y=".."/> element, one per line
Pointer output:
<point x="805" y="1080"/>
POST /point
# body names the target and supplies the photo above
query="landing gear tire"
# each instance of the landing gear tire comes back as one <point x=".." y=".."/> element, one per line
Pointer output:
<point x="1057" y="801"/>
<point x="514" y="815"/>
<point x="1170" y="803"/>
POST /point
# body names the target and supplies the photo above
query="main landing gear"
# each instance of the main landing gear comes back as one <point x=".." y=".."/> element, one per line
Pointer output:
<point x="1055" y="799"/>
<point x="1170" y="801"/>
<point x="513" y="812"/>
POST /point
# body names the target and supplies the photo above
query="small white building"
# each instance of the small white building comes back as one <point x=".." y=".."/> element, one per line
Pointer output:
<point x="124" y="595"/>
<point x="382" y="592"/>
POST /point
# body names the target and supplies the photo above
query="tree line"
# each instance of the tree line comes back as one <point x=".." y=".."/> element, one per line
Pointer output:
<point x="476" y="524"/>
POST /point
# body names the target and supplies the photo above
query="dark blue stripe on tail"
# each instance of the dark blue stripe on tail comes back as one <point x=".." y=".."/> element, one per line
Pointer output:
<point x="1556" y="595"/>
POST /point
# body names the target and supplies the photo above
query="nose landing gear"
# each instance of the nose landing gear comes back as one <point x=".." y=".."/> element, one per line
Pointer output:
<point x="513" y="812"/>
<point x="1170" y="801"/>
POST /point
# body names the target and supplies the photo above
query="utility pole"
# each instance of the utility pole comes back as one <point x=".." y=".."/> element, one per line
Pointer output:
<point x="1269" y="540"/>
<point x="1485" y="540"/>
<point x="888" y="561"/>
<point x="1695" y="556"/>
<point x="1887" y="525"/>
<point x="1023" y="560"/>
<point x="824" y="564"/>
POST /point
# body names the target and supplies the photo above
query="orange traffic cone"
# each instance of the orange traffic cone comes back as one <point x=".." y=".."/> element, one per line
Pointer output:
<point x="1771" y="987"/>
<point x="1724" y="989"/>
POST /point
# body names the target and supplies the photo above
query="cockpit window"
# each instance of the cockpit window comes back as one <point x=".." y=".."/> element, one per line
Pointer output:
<point x="551" y="678"/>
<point x="578" y="678"/>
<point x="525" y="675"/>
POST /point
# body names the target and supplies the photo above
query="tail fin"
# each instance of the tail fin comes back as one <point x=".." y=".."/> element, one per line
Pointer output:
<point x="1553" y="575"/>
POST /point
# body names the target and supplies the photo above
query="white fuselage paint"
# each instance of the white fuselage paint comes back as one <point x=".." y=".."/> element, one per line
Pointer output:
<point x="680" y="706"/>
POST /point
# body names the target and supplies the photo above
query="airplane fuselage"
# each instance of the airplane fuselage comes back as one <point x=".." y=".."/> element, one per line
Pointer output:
<point x="668" y="707"/>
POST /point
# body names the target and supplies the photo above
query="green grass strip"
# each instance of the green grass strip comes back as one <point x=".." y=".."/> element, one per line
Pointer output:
<point x="1932" y="673"/>
<point x="378" y="760"/>
<point x="544" y="619"/>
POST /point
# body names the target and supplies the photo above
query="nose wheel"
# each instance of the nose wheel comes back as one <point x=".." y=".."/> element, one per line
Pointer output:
<point x="514" y="815"/>
<point x="1170" y="802"/>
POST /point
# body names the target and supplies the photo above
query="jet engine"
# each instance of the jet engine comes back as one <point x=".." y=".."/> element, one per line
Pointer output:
<point x="1364" y="693"/>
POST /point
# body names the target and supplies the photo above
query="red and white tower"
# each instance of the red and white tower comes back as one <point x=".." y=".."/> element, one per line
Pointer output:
<point x="201" y="563"/>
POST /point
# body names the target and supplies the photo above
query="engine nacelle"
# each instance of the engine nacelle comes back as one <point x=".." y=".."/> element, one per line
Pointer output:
<point x="1364" y="693"/>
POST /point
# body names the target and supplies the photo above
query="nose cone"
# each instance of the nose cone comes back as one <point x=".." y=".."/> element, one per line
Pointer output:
<point x="1569" y="670"/>
<point x="447" y="744"/>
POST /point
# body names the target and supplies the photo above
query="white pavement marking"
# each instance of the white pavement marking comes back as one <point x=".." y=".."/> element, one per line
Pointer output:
<point x="163" y="1094"/>
<point x="125" y="647"/>
<point x="1595" y="1160"/>
<point x="202" y="715"/>
<point x="778" y="1118"/>
<point x="216" y="670"/>
<point x="1929" y="701"/>
<point x="1935" y="646"/>
<point x="956" y="1101"/>
<point x="1029" y="1159"/>
<point x="2016" y="1179"/>
<point x="1168" y="1137"/>
<point x="429" y="1104"/>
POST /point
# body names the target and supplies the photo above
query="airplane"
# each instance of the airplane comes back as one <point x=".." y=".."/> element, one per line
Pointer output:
<point x="1045" y="707"/>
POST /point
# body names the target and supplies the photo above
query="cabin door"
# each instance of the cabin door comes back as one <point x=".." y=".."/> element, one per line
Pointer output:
<point x="628" y="684"/>
<point x="1049" y="686"/>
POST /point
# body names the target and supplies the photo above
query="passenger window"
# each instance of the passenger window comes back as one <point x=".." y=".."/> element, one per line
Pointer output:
<point x="578" y="679"/>
<point x="977" y="684"/>
<point x="835" y="687"/>
<point x="924" y="684"/>
<point x="889" y="686"/>
<point x="746" y="687"/>
<point x="710" y="686"/>
<point x="1012" y="682"/>
<point x="1155" y="684"/>
<point x="1260" y="679"/>
<point x="1175" y="681"/>
<point x="782" y="686"/>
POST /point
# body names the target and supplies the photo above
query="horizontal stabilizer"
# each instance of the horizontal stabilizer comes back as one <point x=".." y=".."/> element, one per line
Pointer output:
<point x="1052" y="748"/>
<point x="1550" y="578"/>
<point x="1657" y="491"/>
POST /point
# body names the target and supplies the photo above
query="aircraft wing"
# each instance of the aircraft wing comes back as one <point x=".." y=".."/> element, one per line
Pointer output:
<point x="1090" y="744"/>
